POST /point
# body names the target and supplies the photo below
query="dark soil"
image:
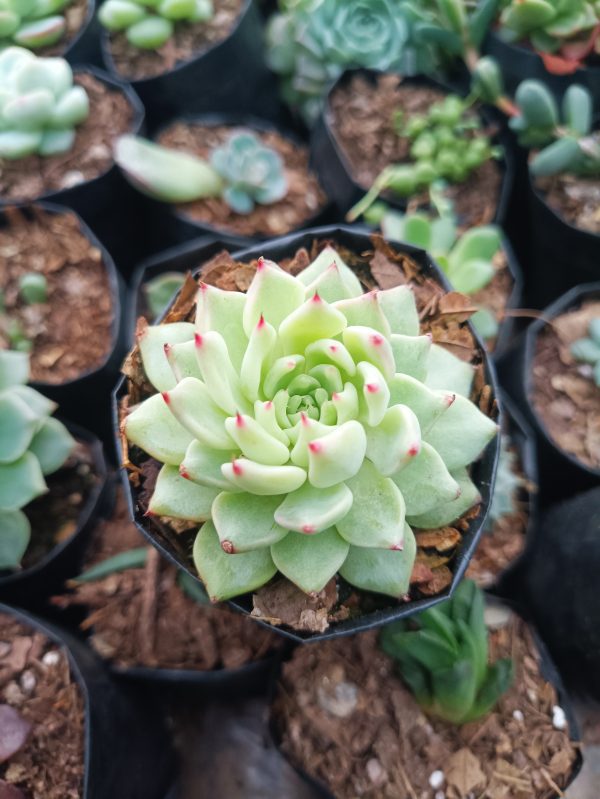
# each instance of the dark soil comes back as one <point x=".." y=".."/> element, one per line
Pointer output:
<point x="304" y="198"/>
<point x="54" y="517"/>
<point x="141" y="617"/>
<point x="91" y="155"/>
<point x="35" y="680"/>
<point x="575" y="199"/>
<point x="75" y="15"/>
<point x="360" y="115"/>
<point x="563" y="392"/>
<point x="345" y="718"/>
<point x="187" y="42"/>
<point x="71" y="332"/>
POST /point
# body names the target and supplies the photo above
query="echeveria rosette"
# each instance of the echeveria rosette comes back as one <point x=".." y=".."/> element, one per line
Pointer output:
<point x="32" y="23"/>
<point x="308" y="426"/>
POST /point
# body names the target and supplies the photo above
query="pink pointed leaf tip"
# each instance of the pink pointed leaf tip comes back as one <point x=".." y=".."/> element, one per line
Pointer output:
<point x="333" y="347"/>
<point x="183" y="473"/>
<point x="167" y="349"/>
<point x="335" y="396"/>
<point x="197" y="339"/>
<point x="166" y="397"/>
<point x="228" y="547"/>
<point x="239" y="419"/>
<point x="450" y="399"/>
<point x="261" y="322"/>
<point x="376" y="340"/>
<point x="372" y="388"/>
<point x="308" y="528"/>
<point x="414" y="450"/>
<point x="316" y="297"/>
<point x="260" y="264"/>
<point x="268" y="405"/>
<point x="237" y="468"/>
<point x="315" y="447"/>
<point x="397" y="547"/>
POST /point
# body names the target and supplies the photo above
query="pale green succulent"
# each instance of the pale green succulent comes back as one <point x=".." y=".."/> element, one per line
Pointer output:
<point x="587" y="350"/>
<point x="32" y="23"/>
<point x="308" y="426"/>
<point x="160" y="289"/>
<point x="39" y="105"/>
<point x="148" y="24"/>
<point x="32" y="446"/>
<point x="507" y="486"/>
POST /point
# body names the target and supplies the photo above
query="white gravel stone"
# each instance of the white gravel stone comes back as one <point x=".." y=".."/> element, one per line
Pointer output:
<point x="559" y="719"/>
<point x="437" y="779"/>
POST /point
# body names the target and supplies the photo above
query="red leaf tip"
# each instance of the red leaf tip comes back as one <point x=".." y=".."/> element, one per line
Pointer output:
<point x="228" y="547"/>
<point x="166" y="397"/>
<point x="239" y="419"/>
<point x="237" y="468"/>
<point x="308" y="528"/>
<point x="372" y="388"/>
<point x="315" y="447"/>
<point x="197" y="339"/>
<point x="260" y="264"/>
<point x="414" y="450"/>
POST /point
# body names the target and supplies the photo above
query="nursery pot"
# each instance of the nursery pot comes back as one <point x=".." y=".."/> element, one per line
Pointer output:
<point x="127" y="751"/>
<point x="84" y="48"/>
<point x="33" y="584"/>
<point x="231" y="75"/>
<point x="335" y="170"/>
<point x="483" y="472"/>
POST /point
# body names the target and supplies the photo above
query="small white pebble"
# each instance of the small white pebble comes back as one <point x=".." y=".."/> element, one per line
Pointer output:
<point x="518" y="715"/>
<point x="375" y="772"/>
<point x="440" y="795"/>
<point x="28" y="681"/>
<point x="436" y="779"/>
<point x="51" y="659"/>
<point x="532" y="695"/>
<point x="559" y="719"/>
<point x="496" y="616"/>
<point x="71" y="178"/>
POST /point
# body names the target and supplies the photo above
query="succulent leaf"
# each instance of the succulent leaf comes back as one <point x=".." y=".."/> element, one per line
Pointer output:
<point x="383" y="571"/>
<point x="425" y="482"/>
<point x="247" y="521"/>
<point x="16" y="532"/>
<point x="179" y="498"/>
<point x="310" y="561"/>
<point x="443" y="514"/>
<point x="52" y="444"/>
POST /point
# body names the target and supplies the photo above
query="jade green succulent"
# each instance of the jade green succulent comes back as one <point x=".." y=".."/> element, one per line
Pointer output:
<point x="39" y="105"/>
<point x="587" y="350"/>
<point x="148" y="24"/>
<point x="243" y="172"/>
<point x="32" y="23"/>
<point x="160" y="289"/>
<point x="444" y="661"/>
<point x="308" y="426"/>
<point x="32" y="446"/>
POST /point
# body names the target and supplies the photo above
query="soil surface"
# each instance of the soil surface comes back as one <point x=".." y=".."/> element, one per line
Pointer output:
<point x="361" y="117"/>
<point x="188" y="41"/>
<point x="54" y="517"/>
<point x="575" y="199"/>
<point x="563" y="392"/>
<point x="142" y="617"/>
<point x="36" y="681"/>
<point x="91" y="155"/>
<point x="71" y="332"/>
<point x="346" y="719"/>
<point x="75" y="15"/>
<point x="304" y="198"/>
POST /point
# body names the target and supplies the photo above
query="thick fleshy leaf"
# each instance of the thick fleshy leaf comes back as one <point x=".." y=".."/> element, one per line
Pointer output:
<point x="400" y="309"/>
<point x="18" y="424"/>
<point x="311" y="510"/>
<point x="329" y="285"/>
<point x="328" y="350"/>
<point x="461" y="434"/>
<point x="281" y="374"/>
<point x="208" y="426"/>
<point x="337" y="456"/>
<point x="223" y="311"/>
<point x="447" y="372"/>
<point x="182" y="360"/>
<point x="52" y="444"/>
<point x="444" y="514"/>
<point x="310" y="561"/>
<point x="202" y="464"/>
<point x="16" y="532"/>
<point x="258" y="478"/>
<point x="273" y="294"/>
<point x="225" y="576"/>
<point x="365" y="311"/>
<point x="366" y="344"/>
<point x="260" y="346"/>
<point x="328" y="376"/>
<point x="395" y="441"/>
<point x="376" y="518"/>
<point x="180" y="498"/>
<point x="374" y="394"/>
<point x="246" y="521"/>
<point x="322" y="262"/>
<point x="220" y="378"/>
<point x="266" y="416"/>
<point x="425" y="482"/>
<point x="254" y="441"/>
<point x="14" y="368"/>
<point x="346" y="403"/>
<point x="384" y="571"/>
<point x="427" y="405"/>
<point x="38" y="403"/>
<point x="411" y="354"/>
<point x="313" y="320"/>
<point x="153" y="428"/>
<point x="21" y="482"/>
<point x="305" y="431"/>
<point x="152" y="349"/>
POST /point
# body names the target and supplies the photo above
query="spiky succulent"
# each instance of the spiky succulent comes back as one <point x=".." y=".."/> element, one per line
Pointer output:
<point x="244" y="171"/>
<point x="307" y="425"/>
<point x="587" y="350"/>
<point x="507" y="486"/>
<point x="39" y="105"/>
<point x="32" y="23"/>
<point x="444" y="660"/>
<point x="148" y="24"/>
<point x="32" y="445"/>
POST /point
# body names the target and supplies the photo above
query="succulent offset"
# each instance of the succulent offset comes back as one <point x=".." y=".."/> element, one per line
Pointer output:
<point x="32" y="446"/>
<point x="444" y="660"/>
<point x="39" y="105"/>
<point x="148" y="24"/>
<point x="507" y="486"/>
<point x="243" y="171"/>
<point x="587" y="350"/>
<point x="32" y="23"/>
<point x="308" y="426"/>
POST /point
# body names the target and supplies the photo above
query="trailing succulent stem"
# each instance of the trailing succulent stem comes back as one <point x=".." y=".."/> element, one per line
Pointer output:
<point x="307" y="426"/>
<point x="32" y="446"/>
<point x="32" y="23"/>
<point x="443" y="657"/>
<point x="148" y="24"/>
<point x="587" y="350"/>
<point x="243" y="172"/>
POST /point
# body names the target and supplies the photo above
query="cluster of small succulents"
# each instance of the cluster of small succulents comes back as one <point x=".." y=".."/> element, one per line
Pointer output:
<point x="32" y="23"/>
<point x="308" y="426"/>
<point x="587" y="350"/>
<point x="33" y="288"/>
<point x="148" y="24"/>
<point x="443" y="657"/>
<point x="243" y="172"/>
<point x="39" y="105"/>
<point x="32" y="446"/>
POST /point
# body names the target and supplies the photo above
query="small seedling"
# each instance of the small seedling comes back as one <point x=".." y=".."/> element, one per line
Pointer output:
<point x="587" y="350"/>
<point x="149" y="24"/>
<point x="33" y="288"/>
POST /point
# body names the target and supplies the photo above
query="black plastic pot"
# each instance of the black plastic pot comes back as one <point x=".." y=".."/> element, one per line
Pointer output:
<point x="229" y="76"/>
<point x="84" y="48"/>
<point x="32" y="585"/>
<point x="483" y="472"/>
<point x="336" y="172"/>
<point x="127" y="753"/>
<point x="561" y="474"/>
<point x="563" y="256"/>
<point x="518" y="62"/>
